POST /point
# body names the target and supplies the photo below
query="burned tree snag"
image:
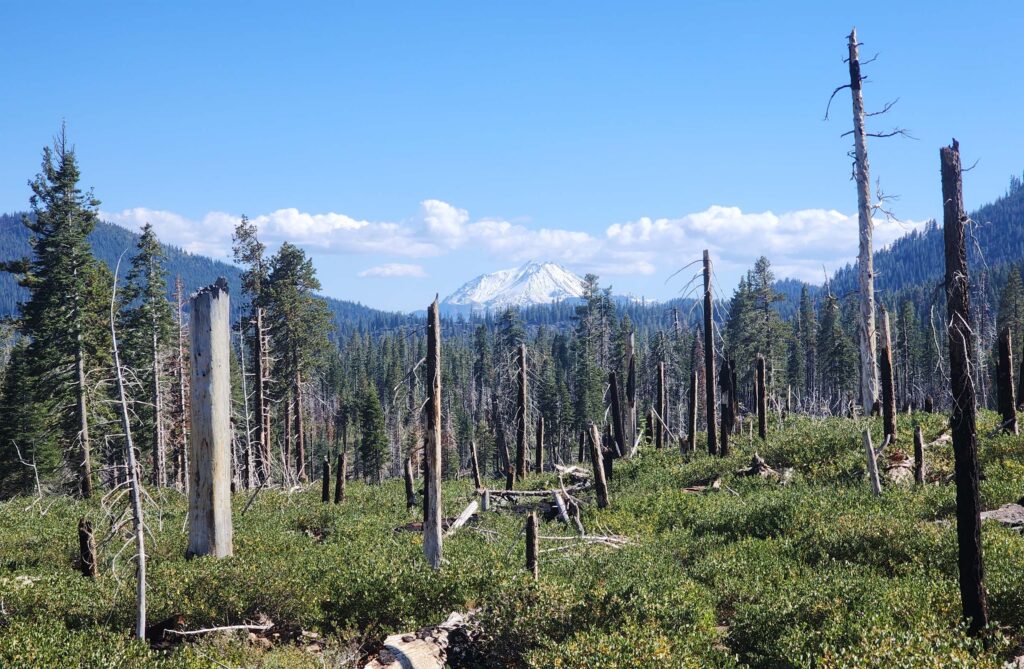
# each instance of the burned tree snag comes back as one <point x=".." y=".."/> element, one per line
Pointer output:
<point x="477" y="482"/>
<point x="888" y="390"/>
<point x="631" y="426"/>
<point x="650" y="424"/>
<point x="521" y="416"/>
<point x="583" y="446"/>
<point x="339" y="481"/>
<point x="962" y="419"/>
<point x="918" y="455"/>
<point x="691" y="415"/>
<point x="621" y="447"/>
<point x="540" y="445"/>
<point x="209" y="509"/>
<point x="709" y="357"/>
<point x="1004" y="382"/>
<point x="532" y="545"/>
<point x="725" y="380"/>
<point x="662" y="410"/>
<point x="865" y="268"/>
<point x="87" y="549"/>
<point x="510" y="478"/>
<point x="929" y="404"/>
<point x="410" y="486"/>
<point x="325" y="492"/>
<point x="762" y="399"/>
<point x="596" y="459"/>
<point x="432" y="480"/>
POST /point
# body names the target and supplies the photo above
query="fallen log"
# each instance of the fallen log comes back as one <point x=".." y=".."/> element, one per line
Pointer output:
<point x="466" y="514"/>
<point x="428" y="648"/>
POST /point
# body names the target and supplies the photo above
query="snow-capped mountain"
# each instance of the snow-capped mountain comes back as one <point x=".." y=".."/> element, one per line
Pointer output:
<point x="532" y="283"/>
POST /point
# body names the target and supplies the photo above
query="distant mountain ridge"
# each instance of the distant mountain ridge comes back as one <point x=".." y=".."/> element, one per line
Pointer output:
<point x="534" y="283"/>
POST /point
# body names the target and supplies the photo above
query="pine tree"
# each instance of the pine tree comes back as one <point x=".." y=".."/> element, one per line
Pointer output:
<point x="837" y="356"/>
<point x="374" y="440"/>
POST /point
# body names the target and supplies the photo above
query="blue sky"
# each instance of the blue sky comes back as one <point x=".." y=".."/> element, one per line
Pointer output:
<point x="410" y="146"/>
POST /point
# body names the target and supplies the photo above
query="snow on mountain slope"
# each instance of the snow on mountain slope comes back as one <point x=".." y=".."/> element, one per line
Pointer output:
<point x="532" y="283"/>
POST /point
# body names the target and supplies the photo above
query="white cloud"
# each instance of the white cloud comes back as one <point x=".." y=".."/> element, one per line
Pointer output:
<point x="799" y="243"/>
<point x="394" y="270"/>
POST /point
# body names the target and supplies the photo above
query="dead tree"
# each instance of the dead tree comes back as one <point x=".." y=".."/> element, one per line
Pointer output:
<point x="261" y="374"/>
<point x="762" y="399"/>
<point x="325" y="492"/>
<point x="888" y="381"/>
<point x="209" y="508"/>
<point x="709" y="358"/>
<point x="432" y="482"/>
<point x="181" y="442"/>
<point x="300" y="432"/>
<point x="521" y="416"/>
<point x="662" y="410"/>
<point x="1004" y="382"/>
<point x="596" y="459"/>
<point x="87" y="550"/>
<point x="962" y="419"/>
<point x="929" y="404"/>
<point x="339" y="482"/>
<point x="691" y="416"/>
<point x="410" y="489"/>
<point x="631" y="426"/>
<point x="621" y="447"/>
<point x="918" y="455"/>
<point x="725" y="380"/>
<point x="532" y="545"/>
<point x="477" y="482"/>
<point x="540" y="445"/>
<point x="872" y="460"/>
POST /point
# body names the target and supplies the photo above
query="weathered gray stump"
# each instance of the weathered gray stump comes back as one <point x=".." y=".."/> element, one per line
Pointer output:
<point x="962" y="420"/>
<point x="339" y="482"/>
<point x="709" y="358"/>
<point x="1004" y="382"/>
<point x="621" y="447"/>
<point x="410" y="490"/>
<point x="540" y="445"/>
<point x="885" y="369"/>
<point x="325" y="492"/>
<point x="532" y="545"/>
<point x="662" y="410"/>
<point x="762" y="399"/>
<point x="477" y="481"/>
<point x="918" y="455"/>
<point x="521" y="416"/>
<point x="432" y="483"/>
<point x="87" y="549"/>
<point x="209" y="508"/>
<point x="600" y="483"/>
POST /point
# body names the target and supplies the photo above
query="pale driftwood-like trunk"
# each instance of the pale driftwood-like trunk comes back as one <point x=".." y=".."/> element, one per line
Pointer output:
<point x="888" y="381"/>
<point x="596" y="459"/>
<point x="521" y="416"/>
<point x="869" y="453"/>
<point x="181" y="446"/>
<point x="631" y="426"/>
<point x="425" y="649"/>
<point x="432" y="482"/>
<point x="250" y="459"/>
<point x="709" y="358"/>
<point x="85" y="450"/>
<point x="159" y="443"/>
<point x="1004" y="382"/>
<point x="410" y="489"/>
<point x="262" y="405"/>
<point x="463" y="518"/>
<point x="209" y="508"/>
<point x="865" y="261"/>
<point x="962" y="419"/>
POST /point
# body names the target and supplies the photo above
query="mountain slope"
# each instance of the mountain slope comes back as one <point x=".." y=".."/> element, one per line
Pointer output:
<point x="109" y="241"/>
<point x="531" y="284"/>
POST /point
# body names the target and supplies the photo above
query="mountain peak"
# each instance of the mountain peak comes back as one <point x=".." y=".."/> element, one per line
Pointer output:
<point x="535" y="282"/>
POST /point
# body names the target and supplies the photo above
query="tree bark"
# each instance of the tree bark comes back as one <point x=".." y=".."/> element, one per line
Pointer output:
<point x="888" y="381"/>
<point x="521" y="416"/>
<point x="432" y="483"/>
<point x="477" y="481"/>
<point x="325" y="492"/>
<point x="725" y="379"/>
<point x="1004" y="386"/>
<point x="621" y="447"/>
<point x="630" y="392"/>
<point x="300" y="437"/>
<point x="87" y="549"/>
<point x="339" y="481"/>
<point x="209" y="509"/>
<point x="85" y="466"/>
<point x="762" y="400"/>
<point x="962" y="419"/>
<point x="532" y="545"/>
<point x="540" y="445"/>
<point x="262" y="406"/>
<point x="709" y="358"/>
<point x="596" y="459"/>
<point x="865" y="261"/>
<point x="918" y="455"/>
<point x="410" y="486"/>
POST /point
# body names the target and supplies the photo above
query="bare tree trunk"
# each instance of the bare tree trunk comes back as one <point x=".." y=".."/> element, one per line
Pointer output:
<point x="762" y="399"/>
<point x="631" y="392"/>
<point x="596" y="459"/>
<point x="251" y="459"/>
<point x="209" y="509"/>
<point x="87" y="549"/>
<point x="339" y="482"/>
<point x="181" y="456"/>
<point x="85" y="466"/>
<point x="262" y="405"/>
<point x="159" y="451"/>
<point x="410" y="488"/>
<point x="709" y="358"/>
<point x="532" y="545"/>
<point x="691" y="417"/>
<point x="521" y="416"/>
<point x="621" y="447"/>
<point x="300" y="437"/>
<point x="540" y="445"/>
<point x="962" y="419"/>
<point x="432" y="484"/>
<point x="725" y="380"/>
<point x="886" y="371"/>
<point x="662" y="410"/>
<point x="918" y="455"/>
<point x="1004" y="386"/>
<point x="325" y="492"/>
<point x="477" y="481"/>
<point x="865" y="261"/>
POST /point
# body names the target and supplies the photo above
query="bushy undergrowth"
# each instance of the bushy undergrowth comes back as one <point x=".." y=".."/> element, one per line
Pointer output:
<point x="814" y="573"/>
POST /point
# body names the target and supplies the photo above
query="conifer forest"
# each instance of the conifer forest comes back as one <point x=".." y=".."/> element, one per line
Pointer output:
<point x="212" y="464"/>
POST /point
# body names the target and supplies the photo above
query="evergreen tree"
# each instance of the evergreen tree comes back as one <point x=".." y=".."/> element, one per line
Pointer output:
<point x="373" y="443"/>
<point x="837" y="356"/>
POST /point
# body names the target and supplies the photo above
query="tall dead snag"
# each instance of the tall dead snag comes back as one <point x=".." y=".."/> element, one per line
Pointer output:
<point x="87" y="549"/>
<point x="325" y="492"/>
<point x="630" y="392"/>
<point x="209" y="502"/>
<point x="709" y="357"/>
<point x="540" y="444"/>
<point x="300" y="432"/>
<point x="962" y="419"/>
<point x="596" y="459"/>
<point x="762" y="399"/>
<point x="432" y="482"/>
<point x="865" y="266"/>
<point x="872" y="460"/>
<point x="621" y="447"/>
<point x="410" y="490"/>
<point x="477" y="482"/>
<point x="885" y="369"/>
<point x="521" y="416"/>
<point x="691" y="416"/>
<point x="1004" y="382"/>
<point x="339" y="481"/>
<point x="662" y="409"/>
<point x="532" y="545"/>
<point x="262" y="405"/>
<point x="918" y="455"/>
<point x="725" y="380"/>
<point x="181" y="442"/>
